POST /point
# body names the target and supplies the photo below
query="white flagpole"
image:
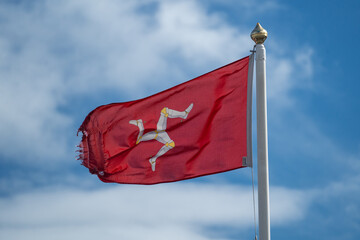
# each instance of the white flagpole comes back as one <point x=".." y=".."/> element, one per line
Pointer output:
<point x="259" y="36"/>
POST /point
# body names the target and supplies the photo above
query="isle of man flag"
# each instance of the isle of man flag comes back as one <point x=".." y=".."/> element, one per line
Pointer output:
<point x="194" y="129"/>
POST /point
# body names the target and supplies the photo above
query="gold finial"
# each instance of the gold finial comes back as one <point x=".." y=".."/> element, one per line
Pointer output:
<point x="259" y="34"/>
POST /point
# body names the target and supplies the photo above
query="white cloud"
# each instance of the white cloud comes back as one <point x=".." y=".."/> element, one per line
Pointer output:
<point x="250" y="8"/>
<point x="284" y="201"/>
<point x="176" y="211"/>
<point x="30" y="123"/>
<point x="287" y="74"/>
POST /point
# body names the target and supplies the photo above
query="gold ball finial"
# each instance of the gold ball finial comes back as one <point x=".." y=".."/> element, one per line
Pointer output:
<point x="259" y="34"/>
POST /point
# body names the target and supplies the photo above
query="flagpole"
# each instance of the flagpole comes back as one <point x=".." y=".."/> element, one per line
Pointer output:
<point x="259" y="36"/>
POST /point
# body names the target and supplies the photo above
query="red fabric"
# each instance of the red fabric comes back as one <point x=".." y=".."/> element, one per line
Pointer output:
<point x="211" y="139"/>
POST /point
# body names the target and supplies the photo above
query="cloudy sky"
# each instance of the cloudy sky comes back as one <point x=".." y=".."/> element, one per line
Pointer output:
<point x="60" y="60"/>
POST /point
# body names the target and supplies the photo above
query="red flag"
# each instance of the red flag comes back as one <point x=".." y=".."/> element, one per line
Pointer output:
<point x="193" y="129"/>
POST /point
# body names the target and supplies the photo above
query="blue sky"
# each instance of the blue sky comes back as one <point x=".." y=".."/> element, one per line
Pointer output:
<point x="58" y="61"/>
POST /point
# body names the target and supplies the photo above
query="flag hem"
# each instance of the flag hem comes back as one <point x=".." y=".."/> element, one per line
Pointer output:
<point x="249" y="111"/>
<point x="171" y="181"/>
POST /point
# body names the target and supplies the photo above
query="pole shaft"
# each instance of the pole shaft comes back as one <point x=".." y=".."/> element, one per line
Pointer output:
<point x="262" y="144"/>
